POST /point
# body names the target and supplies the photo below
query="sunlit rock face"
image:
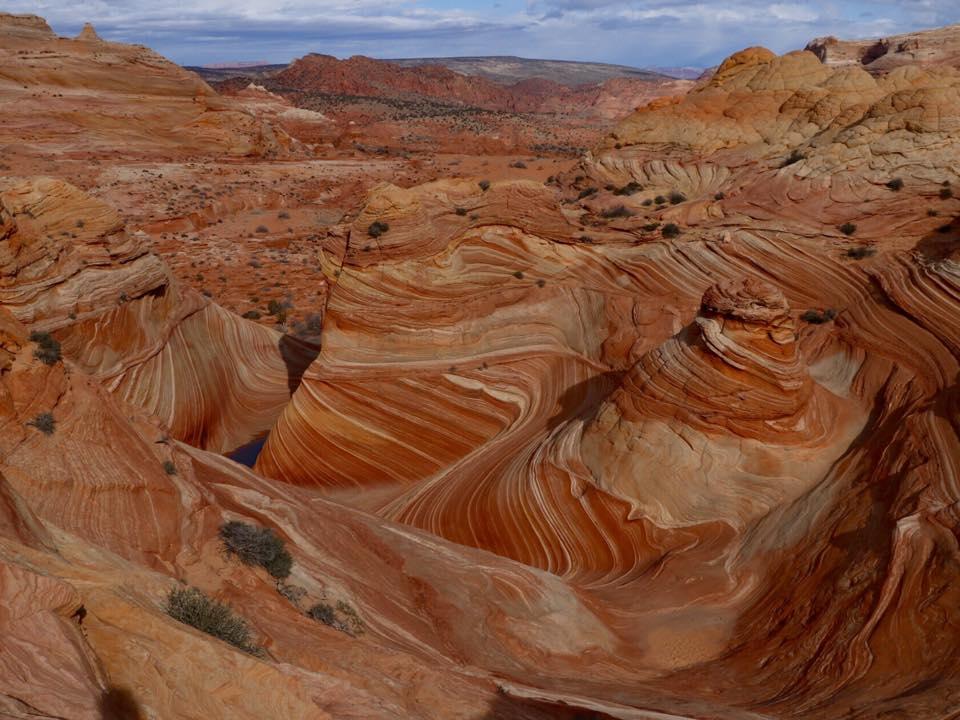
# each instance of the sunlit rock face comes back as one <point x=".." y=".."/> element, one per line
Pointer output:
<point x="721" y="422"/>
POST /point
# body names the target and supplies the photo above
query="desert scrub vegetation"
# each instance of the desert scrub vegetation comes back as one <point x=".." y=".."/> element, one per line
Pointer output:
<point x="45" y="423"/>
<point x="587" y="192"/>
<point x="818" y="317"/>
<point x="169" y="468"/>
<point x="618" y="211"/>
<point x="946" y="192"/>
<point x="193" y="608"/>
<point x="631" y="188"/>
<point x="848" y="228"/>
<point x="256" y="546"/>
<point x="484" y="185"/>
<point x="676" y="197"/>
<point x="670" y="230"/>
<point x="860" y="252"/>
<point x="48" y="348"/>
<point x="896" y="184"/>
<point x="377" y="229"/>
<point x="342" y="617"/>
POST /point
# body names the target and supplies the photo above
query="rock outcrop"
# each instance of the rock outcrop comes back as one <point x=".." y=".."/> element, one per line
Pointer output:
<point x="70" y="269"/>
<point x="112" y="94"/>
<point x="927" y="47"/>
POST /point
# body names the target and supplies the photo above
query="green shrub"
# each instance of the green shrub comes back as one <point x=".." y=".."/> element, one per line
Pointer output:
<point x="518" y="274"/>
<point x="677" y="197"/>
<point x="44" y="422"/>
<point x="896" y="184"/>
<point x="848" y="228"/>
<point x="461" y="211"/>
<point x="48" y="350"/>
<point x="818" y="317"/>
<point x="719" y="196"/>
<point x="377" y="229"/>
<point x="169" y="468"/>
<point x="256" y="546"/>
<point x="262" y="229"/>
<point x="670" y="230"/>
<point x="946" y="192"/>
<point x="660" y="200"/>
<point x="252" y="315"/>
<point x="587" y="192"/>
<point x="484" y="185"/>
<point x="193" y="608"/>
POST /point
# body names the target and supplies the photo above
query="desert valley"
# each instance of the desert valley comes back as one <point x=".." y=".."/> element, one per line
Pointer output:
<point x="476" y="388"/>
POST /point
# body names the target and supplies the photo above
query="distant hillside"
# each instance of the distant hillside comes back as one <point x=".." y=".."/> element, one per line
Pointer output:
<point x="508" y="70"/>
<point x="217" y="74"/>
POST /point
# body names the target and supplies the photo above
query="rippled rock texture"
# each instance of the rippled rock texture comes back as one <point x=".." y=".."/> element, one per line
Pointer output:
<point x="70" y="269"/>
<point x="673" y="436"/>
<point x="709" y="379"/>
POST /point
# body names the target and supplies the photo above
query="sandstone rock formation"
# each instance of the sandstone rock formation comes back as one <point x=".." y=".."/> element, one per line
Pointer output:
<point x="707" y="388"/>
<point x="672" y="435"/>
<point x="69" y="268"/>
<point x="940" y="46"/>
<point x="112" y="94"/>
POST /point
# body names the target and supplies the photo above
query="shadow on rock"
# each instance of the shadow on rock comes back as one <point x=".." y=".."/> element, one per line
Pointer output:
<point x="583" y="400"/>
<point x="118" y="703"/>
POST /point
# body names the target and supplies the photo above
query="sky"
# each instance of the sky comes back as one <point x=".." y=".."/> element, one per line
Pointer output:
<point x="641" y="33"/>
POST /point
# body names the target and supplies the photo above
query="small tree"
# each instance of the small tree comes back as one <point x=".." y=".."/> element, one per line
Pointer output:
<point x="848" y="228"/>
<point x="670" y="230"/>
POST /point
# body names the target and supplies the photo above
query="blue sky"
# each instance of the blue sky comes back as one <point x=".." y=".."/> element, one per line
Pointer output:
<point x="632" y="32"/>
